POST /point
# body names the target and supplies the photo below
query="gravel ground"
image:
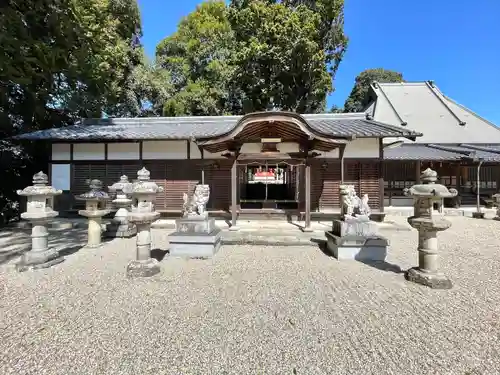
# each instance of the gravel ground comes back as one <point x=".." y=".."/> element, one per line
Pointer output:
<point x="257" y="310"/>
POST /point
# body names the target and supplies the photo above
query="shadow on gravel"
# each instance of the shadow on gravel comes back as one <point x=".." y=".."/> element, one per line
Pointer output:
<point x="159" y="254"/>
<point x="380" y="265"/>
<point x="322" y="246"/>
<point x="383" y="266"/>
<point x="67" y="241"/>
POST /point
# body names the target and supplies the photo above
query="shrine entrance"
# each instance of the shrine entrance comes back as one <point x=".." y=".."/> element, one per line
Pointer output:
<point x="274" y="171"/>
<point x="269" y="184"/>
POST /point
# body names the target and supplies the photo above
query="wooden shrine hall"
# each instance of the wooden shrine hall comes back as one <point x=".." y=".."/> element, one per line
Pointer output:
<point x="258" y="165"/>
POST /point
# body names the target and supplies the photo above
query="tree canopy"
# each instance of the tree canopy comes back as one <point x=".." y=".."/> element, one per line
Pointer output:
<point x="60" y="60"/>
<point x="253" y="55"/>
<point x="358" y="98"/>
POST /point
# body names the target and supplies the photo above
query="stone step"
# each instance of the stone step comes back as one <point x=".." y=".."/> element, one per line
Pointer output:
<point x="272" y="238"/>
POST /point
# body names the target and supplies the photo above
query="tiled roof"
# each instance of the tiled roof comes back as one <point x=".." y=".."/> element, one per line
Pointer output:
<point x="443" y="152"/>
<point x="338" y="125"/>
<point x="421" y="106"/>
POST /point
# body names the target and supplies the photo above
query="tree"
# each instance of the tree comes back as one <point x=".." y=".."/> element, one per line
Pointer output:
<point x="60" y="60"/>
<point x="336" y="109"/>
<point x="197" y="57"/>
<point x="358" y="98"/>
<point x="253" y="55"/>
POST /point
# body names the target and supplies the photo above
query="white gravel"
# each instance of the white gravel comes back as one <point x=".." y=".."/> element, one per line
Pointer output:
<point x="250" y="310"/>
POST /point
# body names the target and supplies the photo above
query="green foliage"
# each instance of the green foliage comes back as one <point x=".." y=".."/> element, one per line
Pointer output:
<point x="358" y="99"/>
<point x="253" y="55"/>
<point x="336" y="109"/>
<point x="60" y="60"/>
<point x="197" y="58"/>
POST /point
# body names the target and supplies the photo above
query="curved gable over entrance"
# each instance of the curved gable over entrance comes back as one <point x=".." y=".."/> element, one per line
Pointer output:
<point x="286" y="126"/>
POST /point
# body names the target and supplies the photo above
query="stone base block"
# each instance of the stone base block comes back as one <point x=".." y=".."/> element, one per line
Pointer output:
<point x="143" y="268"/>
<point x="357" y="247"/>
<point x="432" y="280"/>
<point x="355" y="226"/>
<point x="195" y="245"/>
<point x="195" y="224"/>
<point x="478" y="215"/>
<point x="38" y="260"/>
<point x="93" y="246"/>
<point x="122" y="231"/>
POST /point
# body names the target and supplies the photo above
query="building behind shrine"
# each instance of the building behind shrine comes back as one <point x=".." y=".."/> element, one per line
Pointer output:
<point x="455" y="141"/>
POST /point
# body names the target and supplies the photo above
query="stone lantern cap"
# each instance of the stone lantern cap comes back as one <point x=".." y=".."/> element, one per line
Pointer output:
<point x="143" y="185"/>
<point x="40" y="187"/>
<point x="123" y="185"/>
<point x="95" y="194"/>
<point x="429" y="189"/>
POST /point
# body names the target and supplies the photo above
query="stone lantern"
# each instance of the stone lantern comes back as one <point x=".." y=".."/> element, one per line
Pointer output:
<point x="120" y="226"/>
<point x="496" y="197"/>
<point x="40" y="208"/>
<point x="95" y="208"/>
<point x="142" y="215"/>
<point x="428" y="222"/>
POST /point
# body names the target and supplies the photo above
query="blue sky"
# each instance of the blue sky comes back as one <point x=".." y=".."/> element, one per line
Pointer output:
<point x="456" y="43"/>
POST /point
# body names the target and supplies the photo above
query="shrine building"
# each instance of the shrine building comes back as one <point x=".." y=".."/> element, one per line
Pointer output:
<point x="258" y="165"/>
<point x="282" y="164"/>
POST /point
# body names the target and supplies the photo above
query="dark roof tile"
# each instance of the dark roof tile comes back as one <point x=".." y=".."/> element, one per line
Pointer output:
<point x="340" y="125"/>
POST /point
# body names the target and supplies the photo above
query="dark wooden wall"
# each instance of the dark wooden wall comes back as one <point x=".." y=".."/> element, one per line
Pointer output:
<point x="325" y="184"/>
<point x="180" y="176"/>
<point x="175" y="176"/>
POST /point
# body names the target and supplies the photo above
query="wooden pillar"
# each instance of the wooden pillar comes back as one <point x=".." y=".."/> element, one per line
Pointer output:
<point x="418" y="168"/>
<point x="307" y="226"/>
<point x="234" y="186"/>
<point x="458" y="173"/>
<point x="203" y="165"/>
<point x="341" y="156"/>
<point x="381" y="186"/>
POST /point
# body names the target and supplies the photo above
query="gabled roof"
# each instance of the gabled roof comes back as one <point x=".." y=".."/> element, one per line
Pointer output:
<point x="444" y="152"/>
<point x="345" y="125"/>
<point x="421" y="106"/>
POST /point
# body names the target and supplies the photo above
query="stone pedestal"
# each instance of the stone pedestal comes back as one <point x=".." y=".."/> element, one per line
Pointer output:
<point x="428" y="223"/>
<point x="356" y="239"/>
<point x="143" y="265"/>
<point x="40" y="203"/>
<point x="355" y="236"/>
<point x="195" y="237"/>
<point x="496" y="197"/>
<point x="40" y="255"/>
<point x="94" y="228"/>
<point x="95" y="209"/>
<point x="142" y="214"/>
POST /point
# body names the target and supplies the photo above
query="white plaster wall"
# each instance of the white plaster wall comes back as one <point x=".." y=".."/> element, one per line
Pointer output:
<point x="359" y="148"/>
<point x="398" y="202"/>
<point x="251" y="148"/>
<point x="123" y="151"/>
<point x="288" y="147"/>
<point x="171" y="150"/>
<point x="196" y="154"/>
<point x="362" y="148"/>
<point x="334" y="154"/>
<point x="60" y="176"/>
<point x="61" y="151"/>
<point x="88" y="151"/>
